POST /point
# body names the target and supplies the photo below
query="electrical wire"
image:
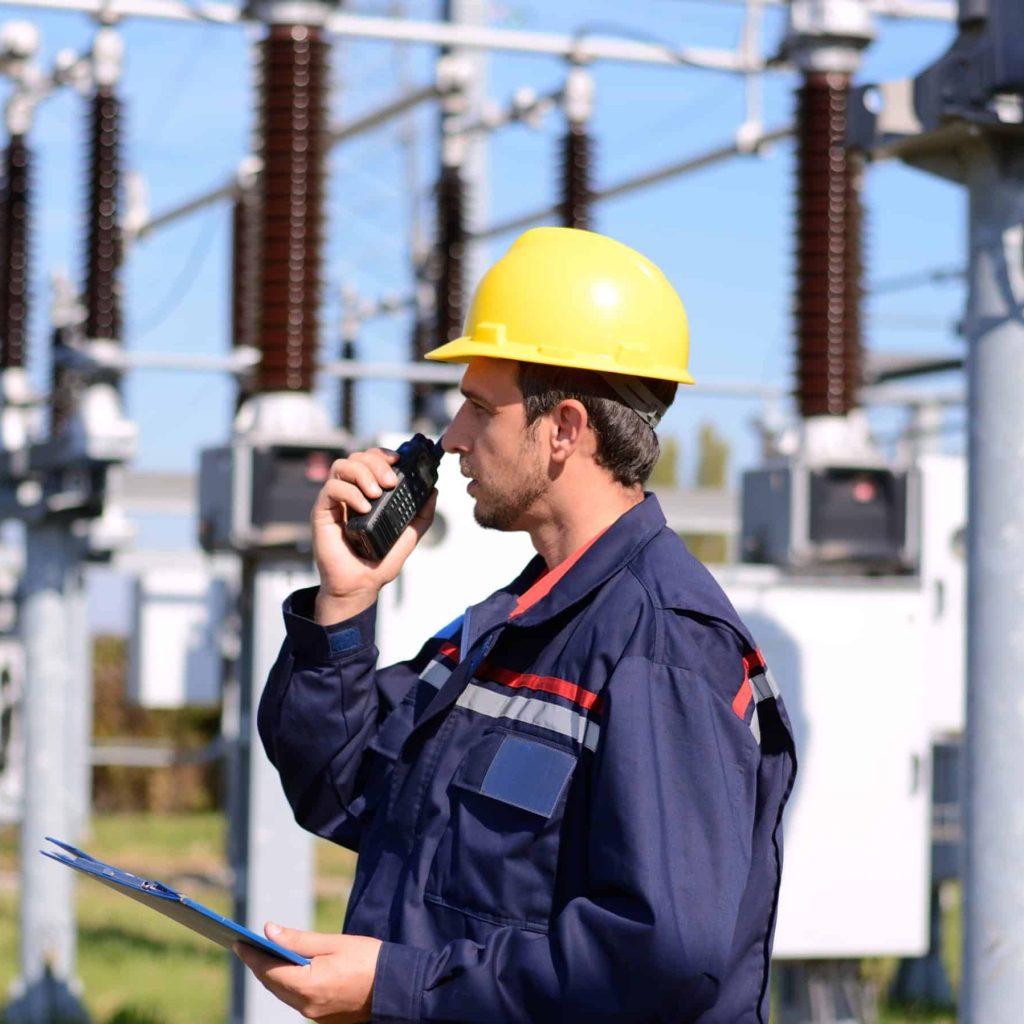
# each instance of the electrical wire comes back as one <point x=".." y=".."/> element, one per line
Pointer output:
<point x="902" y="282"/>
<point x="183" y="282"/>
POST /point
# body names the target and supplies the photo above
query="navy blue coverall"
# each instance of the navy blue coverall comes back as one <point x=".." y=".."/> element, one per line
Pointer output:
<point x="567" y="809"/>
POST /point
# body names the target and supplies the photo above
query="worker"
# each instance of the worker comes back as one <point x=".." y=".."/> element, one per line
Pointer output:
<point x="567" y="807"/>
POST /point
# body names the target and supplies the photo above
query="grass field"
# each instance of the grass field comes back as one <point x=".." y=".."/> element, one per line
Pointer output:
<point x="140" y="968"/>
<point x="136" y="966"/>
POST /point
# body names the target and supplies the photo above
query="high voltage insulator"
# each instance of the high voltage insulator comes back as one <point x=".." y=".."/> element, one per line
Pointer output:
<point x="64" y="384"/>
<point x="828" y="275"/>
<point x="14" y="233"/>
<point x="347" y="412"/>
<point x="293" y="127"/>
<point x="103" y="241"/>
<point x="449" y="284"/>
<point x="576" y="163"/>
<point x="451" y="248"/>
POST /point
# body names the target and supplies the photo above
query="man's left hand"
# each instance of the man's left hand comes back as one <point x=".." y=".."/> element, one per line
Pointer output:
<point x="336" y="987"/>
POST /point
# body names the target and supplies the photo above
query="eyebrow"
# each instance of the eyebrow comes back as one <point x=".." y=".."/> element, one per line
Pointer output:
<point x="475" y="396"/>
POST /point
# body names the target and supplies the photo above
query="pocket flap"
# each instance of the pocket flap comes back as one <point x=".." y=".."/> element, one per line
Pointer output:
<point x="521" y="772"/>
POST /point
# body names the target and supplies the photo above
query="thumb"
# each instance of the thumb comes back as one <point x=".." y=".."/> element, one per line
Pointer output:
<point x="305" y="943"/>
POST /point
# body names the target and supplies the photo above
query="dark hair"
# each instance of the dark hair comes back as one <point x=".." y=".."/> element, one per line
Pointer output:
<point x="626" y="446"/>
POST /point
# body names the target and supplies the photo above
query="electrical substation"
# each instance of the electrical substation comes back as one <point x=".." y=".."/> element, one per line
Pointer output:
<point x="879" y="568"/>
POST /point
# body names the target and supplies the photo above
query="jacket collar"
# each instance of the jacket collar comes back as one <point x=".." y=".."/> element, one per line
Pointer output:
<point x="606" y="556"/>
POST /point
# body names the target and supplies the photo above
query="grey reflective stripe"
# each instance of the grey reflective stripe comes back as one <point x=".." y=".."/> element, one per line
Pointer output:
<point x="436" y="673"/>
<point x="564" y="721"/>
<point x="762" y="688"/>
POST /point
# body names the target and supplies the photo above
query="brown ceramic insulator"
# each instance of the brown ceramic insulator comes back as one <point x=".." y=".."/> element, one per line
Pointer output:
<point x="422" y="341"/>
<point x="449" y="284"/>
<point x="14" y="257"/>
<point x="64" y="384"/>
<point x="576" y="193"/>
<point x="347" y="410"/>
<point x="293" y="117"/>
<point x="828" y="256"/>
<point x="103" y="240"/>
<point x="451" y="245"/>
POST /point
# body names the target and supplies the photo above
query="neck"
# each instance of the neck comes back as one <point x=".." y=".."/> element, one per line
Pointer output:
<point x="576" y="515"/>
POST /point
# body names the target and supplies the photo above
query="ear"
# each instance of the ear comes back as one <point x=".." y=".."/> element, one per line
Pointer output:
<point x="569" y="430"/>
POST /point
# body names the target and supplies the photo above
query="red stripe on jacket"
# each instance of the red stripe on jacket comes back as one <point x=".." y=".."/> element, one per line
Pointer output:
<point x="545" y="684"/>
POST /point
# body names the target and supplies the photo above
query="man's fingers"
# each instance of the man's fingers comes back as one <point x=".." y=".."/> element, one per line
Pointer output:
<point x="307" y="944"/>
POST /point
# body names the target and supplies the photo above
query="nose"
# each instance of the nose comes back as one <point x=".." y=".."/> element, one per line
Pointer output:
<point x="456" y="437"/>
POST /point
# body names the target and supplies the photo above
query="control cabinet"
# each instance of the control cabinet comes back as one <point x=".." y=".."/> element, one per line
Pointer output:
<point x="805" y="516"/>
<point x="260" y="495"/>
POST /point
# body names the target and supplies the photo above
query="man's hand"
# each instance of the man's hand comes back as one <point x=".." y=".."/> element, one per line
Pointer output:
<point x="348" y="583"/>
<point x="337" y="985"/>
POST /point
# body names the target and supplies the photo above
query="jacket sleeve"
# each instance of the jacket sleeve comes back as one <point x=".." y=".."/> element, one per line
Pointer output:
<point x="670" y="817"/>
<point x="321" y="707"/>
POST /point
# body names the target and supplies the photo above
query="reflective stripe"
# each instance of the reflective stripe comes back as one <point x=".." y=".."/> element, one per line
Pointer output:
<point x="436" y="673"/>
<point x="755" y="727"/>
<point x="762" y="688"/>
<point x="532" y="710"/>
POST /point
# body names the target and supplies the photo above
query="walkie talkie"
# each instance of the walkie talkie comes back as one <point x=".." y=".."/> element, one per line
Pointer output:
<point x="373" y="534"/>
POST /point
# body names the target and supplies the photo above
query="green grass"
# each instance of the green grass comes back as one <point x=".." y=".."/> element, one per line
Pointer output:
<point x="136" y="966"/>
<point x="140" y="968"/>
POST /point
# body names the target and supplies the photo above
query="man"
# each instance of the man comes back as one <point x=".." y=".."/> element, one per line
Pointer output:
<point x="568" y="806"/>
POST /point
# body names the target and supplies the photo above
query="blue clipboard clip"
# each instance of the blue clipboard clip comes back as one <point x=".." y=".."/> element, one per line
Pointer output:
<point x="167" y="901"/>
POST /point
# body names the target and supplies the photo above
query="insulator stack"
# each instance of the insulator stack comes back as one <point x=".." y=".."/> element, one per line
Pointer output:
<point x="422" y="341"/>
<point x="451" y="245"/>
<point x="63" y="386"/>
<point x="14" y="277"/>
<point x="828" y="285"/>
<point x="293" y="129"/>
<point x="104" y="250"/>
<point x="576" y="163"/>
<point x="450" y="281"/>
<point x="347" y="412"/>
<point x="244" y="267"/>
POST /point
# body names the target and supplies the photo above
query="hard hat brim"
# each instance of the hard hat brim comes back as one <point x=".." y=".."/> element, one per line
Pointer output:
<point x="462" y="350"/>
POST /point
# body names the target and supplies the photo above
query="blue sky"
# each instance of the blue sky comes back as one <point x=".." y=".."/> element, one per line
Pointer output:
<point x="723" y="235"/>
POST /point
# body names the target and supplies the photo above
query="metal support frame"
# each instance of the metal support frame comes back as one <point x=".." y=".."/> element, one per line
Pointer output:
<point x="47" y="989"/>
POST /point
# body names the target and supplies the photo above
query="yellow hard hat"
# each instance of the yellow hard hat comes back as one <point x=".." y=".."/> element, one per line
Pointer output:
<point x="566" y="297"/>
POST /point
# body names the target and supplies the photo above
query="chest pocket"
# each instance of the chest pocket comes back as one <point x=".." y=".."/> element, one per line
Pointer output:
<point x="497" y="857"/>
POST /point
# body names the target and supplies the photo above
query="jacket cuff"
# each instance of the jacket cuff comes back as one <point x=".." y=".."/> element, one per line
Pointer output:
<point x="398" y="984"/>
<point x="315" y="643"/>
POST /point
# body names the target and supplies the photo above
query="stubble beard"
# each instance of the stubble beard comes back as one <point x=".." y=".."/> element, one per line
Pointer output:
<point x="503" y="505"/>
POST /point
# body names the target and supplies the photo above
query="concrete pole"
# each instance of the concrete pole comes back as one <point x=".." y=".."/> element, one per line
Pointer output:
<point x="46" y="988"/>
<point x="993" y="990"/>
<point x="78" y="697"/>
<point x="274" y="879"/>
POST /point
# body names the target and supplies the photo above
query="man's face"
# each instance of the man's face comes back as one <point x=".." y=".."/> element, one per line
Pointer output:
<point x="497" y="451"/>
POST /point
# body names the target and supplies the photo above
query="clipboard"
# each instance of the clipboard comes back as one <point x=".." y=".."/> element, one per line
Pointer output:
<point x="165" y="900"/>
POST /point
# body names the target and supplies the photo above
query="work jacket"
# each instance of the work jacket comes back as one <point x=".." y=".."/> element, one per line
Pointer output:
<point x="567" y="807"/>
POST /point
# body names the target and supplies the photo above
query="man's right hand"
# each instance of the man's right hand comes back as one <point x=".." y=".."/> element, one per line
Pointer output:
<point x="349" y="583"/>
